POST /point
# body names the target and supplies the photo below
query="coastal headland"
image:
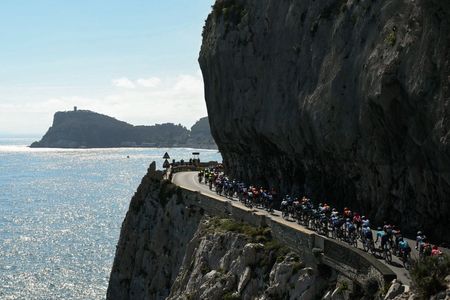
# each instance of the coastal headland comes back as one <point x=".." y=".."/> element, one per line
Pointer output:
<point x="87" y="129"/>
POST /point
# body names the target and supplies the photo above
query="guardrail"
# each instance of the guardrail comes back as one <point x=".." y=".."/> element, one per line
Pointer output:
<point x="187" y="167"/>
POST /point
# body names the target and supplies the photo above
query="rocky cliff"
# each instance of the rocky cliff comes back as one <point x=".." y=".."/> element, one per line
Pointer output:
<point x="347" y="101"/>
<point x="172" y="250"/>
<point x="87" y="129"/>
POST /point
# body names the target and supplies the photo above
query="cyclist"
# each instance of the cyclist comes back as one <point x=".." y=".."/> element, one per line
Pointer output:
<point x="388" y="229"/>
<point x="350" y="228"/>
<point x="397" y="236"/>
<point x="357" y="220"/>
<point x="426" y="249"/>
<point x="404" y="251"/>
<point x="347" y="213"/>
<point x="367" y="233"/>
<point x="403" y="246"/>
<point x="420" y="241"/>
<point x="435" y="251"/>
<point x="382" y="235"/>
<point x="367" y="237"/>
<point x="284" y="207"/>
<point x="365" y="221"/>
<point x="269" y="202"/>
<point x="334" y="213"/>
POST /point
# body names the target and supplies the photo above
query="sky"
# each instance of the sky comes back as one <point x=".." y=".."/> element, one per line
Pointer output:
<point x="135" y="60"/>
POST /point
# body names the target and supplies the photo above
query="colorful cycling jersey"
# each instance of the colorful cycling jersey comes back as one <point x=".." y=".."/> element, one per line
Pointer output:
<point x="380" y="234"/>
<point x="403" y="245"/>
<point x="419" y="239"/>
<point x="366" y="222"/>
<point x="335" y="221"/>
<point x="350" y="226"/>
<point x="367" y="233"/>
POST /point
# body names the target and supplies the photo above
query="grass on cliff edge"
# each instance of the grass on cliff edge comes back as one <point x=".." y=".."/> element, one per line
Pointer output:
<point x="428" y="275"/>
<point x="254" y="234"/>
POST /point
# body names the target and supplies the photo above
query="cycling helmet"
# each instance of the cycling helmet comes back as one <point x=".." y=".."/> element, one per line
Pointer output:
<point x="348" y="220"/>
<point x="400" y="239"/>
<point x="363" y="217"/>
<point x="419" y="232"/>
<point x="379" y="228"/>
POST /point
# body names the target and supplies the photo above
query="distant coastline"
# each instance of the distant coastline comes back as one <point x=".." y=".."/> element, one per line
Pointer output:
<point x="80" y="129"/>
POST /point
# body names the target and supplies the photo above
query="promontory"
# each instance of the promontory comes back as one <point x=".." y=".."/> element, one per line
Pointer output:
<point x="87" y="129"/>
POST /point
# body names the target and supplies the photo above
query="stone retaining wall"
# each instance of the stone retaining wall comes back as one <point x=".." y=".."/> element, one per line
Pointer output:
<point x="352" y="262"/>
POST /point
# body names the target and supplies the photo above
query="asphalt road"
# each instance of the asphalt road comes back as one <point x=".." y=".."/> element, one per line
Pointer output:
<point x="189" y="180"/>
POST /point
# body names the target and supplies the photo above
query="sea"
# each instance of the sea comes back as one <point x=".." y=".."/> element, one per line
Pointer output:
<point x="60" y="215"/>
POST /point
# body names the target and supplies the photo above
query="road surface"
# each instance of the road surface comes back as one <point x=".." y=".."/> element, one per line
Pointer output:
<point x="189" y="180"/>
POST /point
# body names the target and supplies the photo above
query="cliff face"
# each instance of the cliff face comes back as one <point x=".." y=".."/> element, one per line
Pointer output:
<point x="347" y="101"/>
<point x="201" y="134"/>
<point x="222" y="264"/>
<point x="82" y="128"/>
<point x="171" y="250"/>
<point x="152" y="241"/>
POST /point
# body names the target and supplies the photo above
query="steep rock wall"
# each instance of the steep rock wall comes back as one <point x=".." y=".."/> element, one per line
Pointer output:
<point x="228" y="264"/>
<point x="347" y="101"/>
<point x="153" y="240"/>
<point x="172" y="249"/>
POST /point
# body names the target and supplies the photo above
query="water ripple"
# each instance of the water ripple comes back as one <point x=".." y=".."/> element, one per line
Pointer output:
<point x="61" y="213"/>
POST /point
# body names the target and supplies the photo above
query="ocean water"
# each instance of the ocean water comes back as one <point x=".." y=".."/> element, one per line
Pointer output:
<point x="60" y="215"/>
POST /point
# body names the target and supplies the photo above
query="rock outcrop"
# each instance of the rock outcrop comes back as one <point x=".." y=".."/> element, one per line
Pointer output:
<point x="153" y="239"/>
<point x="347" y="101"/>
<point x="200" y="135"/>
<point x="87" y="129"/>
<point x="228" y="265"/>
<point x="171" y="250"/>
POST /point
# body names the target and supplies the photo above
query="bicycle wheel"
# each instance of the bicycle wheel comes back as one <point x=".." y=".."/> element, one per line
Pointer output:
<point x="388" y="255"/>
<point x="406" y="261"/>
<point x="365" y="246"/>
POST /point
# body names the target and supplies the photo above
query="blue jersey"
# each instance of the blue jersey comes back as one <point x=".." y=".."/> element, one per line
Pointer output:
<point x="367" y="233"/>
<point x="403" y="245"/>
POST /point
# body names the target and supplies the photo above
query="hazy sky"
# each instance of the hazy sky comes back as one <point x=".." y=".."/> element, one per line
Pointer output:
<point x="135" y="60"/>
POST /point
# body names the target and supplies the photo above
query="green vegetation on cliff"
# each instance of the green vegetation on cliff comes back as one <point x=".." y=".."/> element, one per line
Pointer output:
<point x="429" y="275"/>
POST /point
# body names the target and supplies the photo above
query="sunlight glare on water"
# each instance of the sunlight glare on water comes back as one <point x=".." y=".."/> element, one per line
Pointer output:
<point x="61" y="212"/>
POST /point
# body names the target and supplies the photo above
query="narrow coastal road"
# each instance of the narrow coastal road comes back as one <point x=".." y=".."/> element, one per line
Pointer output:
<point x="189" y="180"/>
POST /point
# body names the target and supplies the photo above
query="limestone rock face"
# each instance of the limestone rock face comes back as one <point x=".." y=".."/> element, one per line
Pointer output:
<point x="347" y="101"/>
<point x="169" y="249"/>
<point x="226" y="265"/>
<point x="152" y="242"/>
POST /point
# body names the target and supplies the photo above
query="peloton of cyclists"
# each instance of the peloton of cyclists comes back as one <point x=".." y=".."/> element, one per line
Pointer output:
<point x="322" y="218"/>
